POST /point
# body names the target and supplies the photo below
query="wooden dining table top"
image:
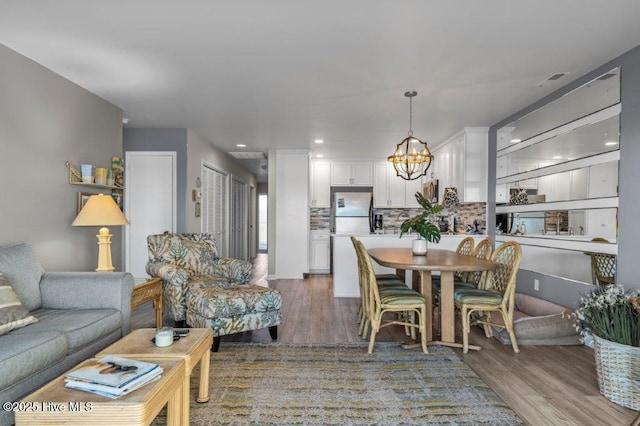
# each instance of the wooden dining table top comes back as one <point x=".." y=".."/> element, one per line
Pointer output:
<point x="435" y="260"/>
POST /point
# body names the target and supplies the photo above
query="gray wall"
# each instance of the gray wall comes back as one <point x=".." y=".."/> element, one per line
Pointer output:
<point x="567" y="292"/>
<point x="46" y="120"/>
<point x="164" y="140"/>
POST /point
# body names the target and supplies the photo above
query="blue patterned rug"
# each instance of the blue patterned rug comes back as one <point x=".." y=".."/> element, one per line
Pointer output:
<point x="282" y="384"/>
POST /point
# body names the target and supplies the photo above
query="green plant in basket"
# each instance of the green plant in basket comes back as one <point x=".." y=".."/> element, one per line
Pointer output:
<point x="420" y="224"/>
<point x="611" y="314"/>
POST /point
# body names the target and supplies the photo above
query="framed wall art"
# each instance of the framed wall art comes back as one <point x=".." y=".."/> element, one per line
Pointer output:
<point x="83" y="197"/>
<point x="430" y="191"/>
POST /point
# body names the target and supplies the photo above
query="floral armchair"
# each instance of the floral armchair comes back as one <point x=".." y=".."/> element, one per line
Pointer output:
<point x="202" y="289"/>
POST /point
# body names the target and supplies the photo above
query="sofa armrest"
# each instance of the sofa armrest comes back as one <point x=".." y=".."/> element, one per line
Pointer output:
<point x="174" y="287"/>
<point x="89" y="290"/>
<point x="233" y="269"/>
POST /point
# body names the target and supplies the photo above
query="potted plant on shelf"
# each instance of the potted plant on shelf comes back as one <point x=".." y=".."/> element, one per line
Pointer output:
<point x="613" y="318"/>
<point x="421" y="225"/>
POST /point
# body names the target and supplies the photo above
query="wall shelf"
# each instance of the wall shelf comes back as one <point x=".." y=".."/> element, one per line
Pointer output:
<point x="76" y="179"/>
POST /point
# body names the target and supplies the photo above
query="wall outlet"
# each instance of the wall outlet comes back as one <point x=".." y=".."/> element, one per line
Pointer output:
<point x="536" y="285"/>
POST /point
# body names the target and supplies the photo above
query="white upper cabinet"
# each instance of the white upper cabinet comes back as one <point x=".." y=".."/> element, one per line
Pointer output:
<point x="319" y="184"/>
<point x="354" y="173"/>
<point x="390" y="190"/>
<point x="462" y="162"/>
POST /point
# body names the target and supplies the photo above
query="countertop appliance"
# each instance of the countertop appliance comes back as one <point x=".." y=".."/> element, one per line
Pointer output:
<point x="377" y="221"/>
<point x="352" y="210"/>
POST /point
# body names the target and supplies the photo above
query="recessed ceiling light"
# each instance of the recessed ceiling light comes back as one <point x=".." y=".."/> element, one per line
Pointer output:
<point x="319" y="156"/>
<point x="557" y="157"/>
<point x="516" y="140"/>
<point x="125" y="120"/>
<point x="611" y="143"/>
<point x="318" y="141"/>
<point x="241" y="145"/>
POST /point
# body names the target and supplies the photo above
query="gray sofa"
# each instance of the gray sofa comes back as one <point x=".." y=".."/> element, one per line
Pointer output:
<point x="79" y="314"/>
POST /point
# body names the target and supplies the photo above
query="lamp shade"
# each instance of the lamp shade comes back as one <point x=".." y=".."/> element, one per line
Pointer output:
<point x="100" y="210"/>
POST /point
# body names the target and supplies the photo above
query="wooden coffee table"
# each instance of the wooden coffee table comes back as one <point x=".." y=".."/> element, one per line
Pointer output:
<point x="54" y="404"/>
<point x="150" y="291"/>
<point x="194" y="348"/>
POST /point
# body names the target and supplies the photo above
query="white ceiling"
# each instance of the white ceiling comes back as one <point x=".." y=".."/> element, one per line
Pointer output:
<point x="281" y="73"/>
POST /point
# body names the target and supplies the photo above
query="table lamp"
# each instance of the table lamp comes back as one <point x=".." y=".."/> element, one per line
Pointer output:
<point x="101" y="210"/>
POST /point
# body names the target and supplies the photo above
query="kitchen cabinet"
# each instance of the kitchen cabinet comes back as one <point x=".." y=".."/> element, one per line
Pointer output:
<point x="461" y="162"/>
<point x="319" y="252"/>
<point x="390" y="190"/>
<point x="319" y="184"/>
<point x="354" y="173"/>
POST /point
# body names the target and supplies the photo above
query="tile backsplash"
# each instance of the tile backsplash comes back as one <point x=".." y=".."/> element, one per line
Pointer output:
<point x="466" y="214"/>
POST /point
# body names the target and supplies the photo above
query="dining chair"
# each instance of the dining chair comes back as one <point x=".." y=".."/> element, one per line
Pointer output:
<point x="384" y="281"/>
<point x="483" y="250"/>
<point x="391" y="300"/>
<point x="498" y="295"/>
<point x="603" y="266"/>
<point x="464" y="247"/>
<point x="474" y="279"/>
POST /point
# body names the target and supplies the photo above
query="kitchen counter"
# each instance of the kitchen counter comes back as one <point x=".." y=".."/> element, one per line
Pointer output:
<point x="345" y="262"/>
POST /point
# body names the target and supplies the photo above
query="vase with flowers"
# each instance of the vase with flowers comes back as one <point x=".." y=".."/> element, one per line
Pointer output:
<point x="612" y="316"/>
<point x="422" y="225"/>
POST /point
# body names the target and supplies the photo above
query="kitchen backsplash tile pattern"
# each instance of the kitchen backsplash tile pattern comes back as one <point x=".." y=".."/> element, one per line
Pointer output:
<point x="465" y="214"/>
<point x="319" y="218"/>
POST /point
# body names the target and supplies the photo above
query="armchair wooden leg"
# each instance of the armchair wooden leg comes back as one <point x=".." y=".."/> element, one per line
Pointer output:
<point x="216" y="344"/>
<point x="273" y="331"/>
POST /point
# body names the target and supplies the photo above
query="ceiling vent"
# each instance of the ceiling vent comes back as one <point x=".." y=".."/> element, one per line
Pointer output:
<point x="259" y="155"/>
<point x="552" y="79"/>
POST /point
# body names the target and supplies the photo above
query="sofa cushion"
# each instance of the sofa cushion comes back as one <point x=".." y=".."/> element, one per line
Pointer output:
<point x="22" y="357"/>
<point x="12" y="314"/>
<point x="213" y="302"/>
<point x="204" y="281"/>
<point x="79" y="327"/>
<point x="19" y="264"/>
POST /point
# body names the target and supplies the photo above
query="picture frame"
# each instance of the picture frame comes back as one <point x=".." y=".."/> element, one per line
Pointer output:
<point x="430" y="191"/>
<point x="83" y="197"/>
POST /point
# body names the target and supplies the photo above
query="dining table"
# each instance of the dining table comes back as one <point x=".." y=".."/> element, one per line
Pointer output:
<point x="444" y="261"/>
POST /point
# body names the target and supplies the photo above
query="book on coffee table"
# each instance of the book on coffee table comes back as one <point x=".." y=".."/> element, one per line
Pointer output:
<point x="113" y="376"/>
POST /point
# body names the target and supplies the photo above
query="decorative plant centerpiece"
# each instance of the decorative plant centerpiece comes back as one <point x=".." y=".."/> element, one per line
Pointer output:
<point x="613" y="317"/>
<point x="421" y="225"/>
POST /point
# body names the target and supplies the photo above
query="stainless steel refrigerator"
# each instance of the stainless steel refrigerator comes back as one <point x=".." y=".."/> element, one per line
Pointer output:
<point x="352" y="212"/>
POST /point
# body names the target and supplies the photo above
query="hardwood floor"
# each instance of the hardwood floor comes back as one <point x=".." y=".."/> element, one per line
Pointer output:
<point x="545" y="385"/>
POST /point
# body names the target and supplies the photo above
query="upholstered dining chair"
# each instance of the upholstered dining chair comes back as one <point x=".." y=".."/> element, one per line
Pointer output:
<point x="385" y="281"/>
<point x="498" y="295"/>
<point x="603" y="266"/>
<point x="391" y="300"/>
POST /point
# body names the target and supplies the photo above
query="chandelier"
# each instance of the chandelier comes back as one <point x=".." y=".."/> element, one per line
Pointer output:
<point x="412" y="158"/>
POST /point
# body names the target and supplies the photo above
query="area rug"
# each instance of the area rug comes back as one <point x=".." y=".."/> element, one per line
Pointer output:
<point x="282" y="384"/>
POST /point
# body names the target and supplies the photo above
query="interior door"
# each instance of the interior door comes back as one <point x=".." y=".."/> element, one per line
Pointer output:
<point x="238" y="247"/>
<point x="149" y="204"/>
<point x="215" y="207"/>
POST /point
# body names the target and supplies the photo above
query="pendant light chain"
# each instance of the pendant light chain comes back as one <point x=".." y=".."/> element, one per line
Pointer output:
<point x="410" y="116"/>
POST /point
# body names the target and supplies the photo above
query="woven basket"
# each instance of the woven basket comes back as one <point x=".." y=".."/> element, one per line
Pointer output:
<point x="618" y="368"/>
